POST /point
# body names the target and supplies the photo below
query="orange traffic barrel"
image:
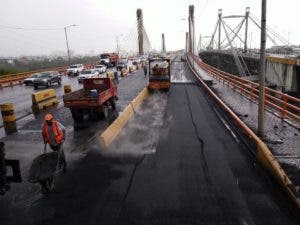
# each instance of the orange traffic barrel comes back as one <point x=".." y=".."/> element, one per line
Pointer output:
<point x="9" y="118"/>
<point x="67" y="89"/>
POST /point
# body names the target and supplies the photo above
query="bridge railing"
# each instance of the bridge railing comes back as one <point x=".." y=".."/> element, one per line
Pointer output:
<point x="284" y="104"/>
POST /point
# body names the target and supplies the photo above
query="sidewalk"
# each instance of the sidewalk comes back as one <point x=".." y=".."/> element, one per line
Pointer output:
<point x="282" y="138"/>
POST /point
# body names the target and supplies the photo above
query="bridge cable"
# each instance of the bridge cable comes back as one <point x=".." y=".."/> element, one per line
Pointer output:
<point x="236" y="58"/>
<point x="232" y="31"/>
<point x="236" y="34"/>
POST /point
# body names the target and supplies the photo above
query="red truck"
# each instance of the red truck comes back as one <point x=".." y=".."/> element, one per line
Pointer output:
<point x="109" y="59"/>
<point x="94" y="100"/>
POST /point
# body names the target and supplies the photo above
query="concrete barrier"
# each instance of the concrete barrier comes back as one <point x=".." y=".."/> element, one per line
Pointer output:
<point x="124" y="72"/>
<point x="43" y="99"/>
<point x="9" y="118"/>
<point x="132" y="69"/>
<point x="110" y="74"/>
<point x="114" y="129"/>
<point x="67" y="89"/>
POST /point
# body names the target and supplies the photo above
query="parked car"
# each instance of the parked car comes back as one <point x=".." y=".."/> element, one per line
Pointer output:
<point x="135" y="61"/>
<point x="46" y="79"/>
<point x="88" y="73"/>
<point x="29" y="80"/>
<point x="122" y="65"/>
<point x="101" y="68"/>
<point x="75" y="70"/>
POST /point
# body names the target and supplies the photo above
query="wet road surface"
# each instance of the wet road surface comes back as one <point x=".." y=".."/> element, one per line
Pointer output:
<point x="187" y="169"/>
<point x="20" y="95"/>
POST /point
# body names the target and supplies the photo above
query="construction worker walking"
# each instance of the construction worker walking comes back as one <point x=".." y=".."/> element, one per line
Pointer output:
<point x="54" y="134"/>
<point x="145" y="70"/>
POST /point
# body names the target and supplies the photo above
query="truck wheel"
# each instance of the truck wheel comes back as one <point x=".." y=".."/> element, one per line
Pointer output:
<point x="113" y="103"/>
<point x="105" y="111"/>
<point x="77" y="115"/>
<point x="96" y="115"/>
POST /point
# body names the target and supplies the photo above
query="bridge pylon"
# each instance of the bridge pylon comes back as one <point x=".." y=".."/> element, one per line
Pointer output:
<point x="140" y="29"/>
<point x="191" y="29"/>
<point x="163" y="42"/>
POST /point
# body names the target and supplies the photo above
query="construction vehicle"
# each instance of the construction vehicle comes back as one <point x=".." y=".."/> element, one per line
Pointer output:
<point x="94" y="100"/>
<point x="159" y="74"/>
<point x="109" y="59"/>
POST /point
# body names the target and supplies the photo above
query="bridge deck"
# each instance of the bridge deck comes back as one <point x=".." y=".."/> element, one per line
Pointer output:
<point x="174" y="163"/>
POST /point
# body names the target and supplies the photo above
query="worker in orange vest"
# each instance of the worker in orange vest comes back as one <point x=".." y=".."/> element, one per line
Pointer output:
<point x="54" y="134"/>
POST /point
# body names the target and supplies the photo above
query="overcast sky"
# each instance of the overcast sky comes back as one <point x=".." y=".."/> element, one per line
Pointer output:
<point x="99" y="22"/>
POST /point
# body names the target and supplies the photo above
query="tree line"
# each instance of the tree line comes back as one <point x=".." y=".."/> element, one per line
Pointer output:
<point x="25" y="64"/>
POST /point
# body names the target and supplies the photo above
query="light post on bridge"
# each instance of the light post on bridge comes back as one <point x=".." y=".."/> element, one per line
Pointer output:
<point x="66" y="36"/>
<point x="261" y="102"/>
<point x="118" y="44"/>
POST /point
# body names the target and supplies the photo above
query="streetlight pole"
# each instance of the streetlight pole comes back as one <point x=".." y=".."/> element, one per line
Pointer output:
<point x="66" y="36"/>
<point x="261" y="102"/>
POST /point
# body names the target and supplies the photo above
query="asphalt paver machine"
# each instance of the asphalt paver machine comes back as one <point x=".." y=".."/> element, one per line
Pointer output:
<point x="159" y="74"/>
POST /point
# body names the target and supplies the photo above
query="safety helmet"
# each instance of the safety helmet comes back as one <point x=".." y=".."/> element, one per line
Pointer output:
<point x="48" y="117"/>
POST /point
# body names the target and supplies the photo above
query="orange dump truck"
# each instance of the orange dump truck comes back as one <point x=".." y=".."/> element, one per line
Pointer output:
<point x="94" y="100"/>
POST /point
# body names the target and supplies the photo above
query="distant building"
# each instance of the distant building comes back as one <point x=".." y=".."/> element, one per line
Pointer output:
<point x="7" y="60"/>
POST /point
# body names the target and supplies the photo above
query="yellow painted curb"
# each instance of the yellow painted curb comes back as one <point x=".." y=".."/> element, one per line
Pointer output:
<point x="282" y="60"/>
<point x="266" y="158"/>
<point x="107" y="137"/>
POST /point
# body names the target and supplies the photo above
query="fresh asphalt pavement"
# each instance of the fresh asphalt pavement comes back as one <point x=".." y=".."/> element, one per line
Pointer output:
<point x="175" y="162"/>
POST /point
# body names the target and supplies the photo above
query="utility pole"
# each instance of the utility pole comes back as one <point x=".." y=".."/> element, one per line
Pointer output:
<point x="117" y="41"/>
<point x="220" y="21"/>
<point x="163" y="42"/>
<point x="186" y="41"/>
<point x="261" y="103"/>
<point x="140" y="25"/>
<point x="200" y="43"/>
<point x="246" y="29"/>
<point x="66" y="36"/>
<point x="68" y="50"/>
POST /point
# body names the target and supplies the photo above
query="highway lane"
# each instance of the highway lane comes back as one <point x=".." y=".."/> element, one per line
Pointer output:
<point x="192" y="171"/>
<point x="20" y="95"/>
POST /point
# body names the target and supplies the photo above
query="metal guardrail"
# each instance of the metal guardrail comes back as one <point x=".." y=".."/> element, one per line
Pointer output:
<point x="284" y="104"/>
<point x="17" y="78"/>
